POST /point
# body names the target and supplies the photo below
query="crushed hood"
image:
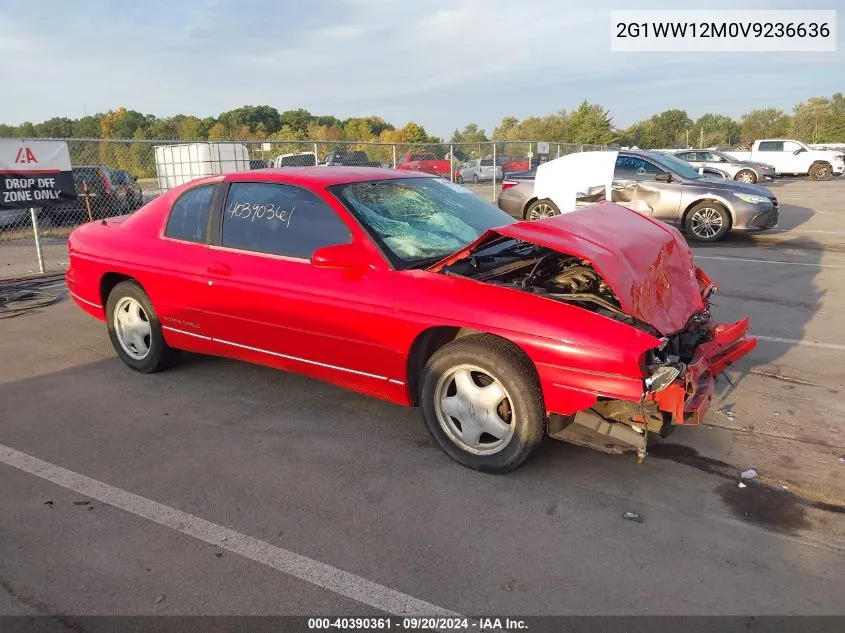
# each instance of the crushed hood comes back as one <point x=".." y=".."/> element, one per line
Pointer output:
<point x="647" y="264"/>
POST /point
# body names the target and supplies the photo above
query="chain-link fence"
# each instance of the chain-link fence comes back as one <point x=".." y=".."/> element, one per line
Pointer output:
<point x="116" y="177"/>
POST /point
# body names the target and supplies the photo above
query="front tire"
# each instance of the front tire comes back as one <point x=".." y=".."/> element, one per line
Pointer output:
<point x="460" y="179"/>
<point x="135" y="331"/>
<point x="820" y="172"/>
<point x="540" y="209"/>
<point x="708" y="222"/>
<point x="482" y="403"/>
<point x="747" y="176"/>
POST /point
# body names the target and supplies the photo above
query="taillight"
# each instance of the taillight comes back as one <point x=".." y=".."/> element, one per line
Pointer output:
<point x="507" y="184"/>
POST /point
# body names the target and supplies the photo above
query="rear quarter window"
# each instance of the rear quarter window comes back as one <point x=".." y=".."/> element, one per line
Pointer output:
<point x="188" y="218"/>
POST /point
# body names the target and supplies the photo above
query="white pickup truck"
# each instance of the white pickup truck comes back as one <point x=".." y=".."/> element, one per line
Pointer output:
<point x="795" y="158"/>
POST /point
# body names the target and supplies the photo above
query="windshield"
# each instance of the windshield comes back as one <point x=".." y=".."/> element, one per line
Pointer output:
<point x="676" y="165"/>
<point x="419" y="221"/>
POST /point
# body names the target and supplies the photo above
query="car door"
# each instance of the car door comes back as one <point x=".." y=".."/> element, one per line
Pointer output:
<point x="772" y="152"/>
<point x="270" y="304"/>
<point x="798" y="163"/>
<point x="178" y="288"/>
<point x="635" y="186"/>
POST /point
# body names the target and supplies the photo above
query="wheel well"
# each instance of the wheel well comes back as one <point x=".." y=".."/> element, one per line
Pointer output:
<point x="525" y="208"/>
<point x="820" y="162"/>
<point x="107" y="284"/>
<point x="712" y="201"/>
<point x="427" y="342"/>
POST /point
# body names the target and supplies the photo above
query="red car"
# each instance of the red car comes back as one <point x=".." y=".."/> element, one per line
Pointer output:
<point x="426" y="163"/>
<point x="411" y="289"/>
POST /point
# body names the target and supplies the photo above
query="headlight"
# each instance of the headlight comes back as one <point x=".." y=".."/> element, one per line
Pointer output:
<point x="751" y="198"/>
<point x="663" y="376"/>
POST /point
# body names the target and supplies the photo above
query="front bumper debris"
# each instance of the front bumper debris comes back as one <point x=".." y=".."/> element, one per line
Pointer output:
<point x="688" y="398"/>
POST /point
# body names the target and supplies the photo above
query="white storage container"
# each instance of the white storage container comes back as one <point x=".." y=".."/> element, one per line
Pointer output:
<point x="178" y="164"/>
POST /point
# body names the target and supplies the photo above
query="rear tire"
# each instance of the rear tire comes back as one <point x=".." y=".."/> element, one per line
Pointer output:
<point x="479" y="383"/>
<point x="135" y="331"/>
<point x="708" y="222"/>
<point x="540" y="209"/>
<point x="460" y="179"/>
<point x="747" y="176"/>
<point x="820" y="172"/>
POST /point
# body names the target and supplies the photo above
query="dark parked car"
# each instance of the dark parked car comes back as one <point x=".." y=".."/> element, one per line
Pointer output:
<point x="133" y="195"/>
<point x="356" y="158"/>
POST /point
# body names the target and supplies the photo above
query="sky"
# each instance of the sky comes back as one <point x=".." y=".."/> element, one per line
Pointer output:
<point x="440" y="63"/>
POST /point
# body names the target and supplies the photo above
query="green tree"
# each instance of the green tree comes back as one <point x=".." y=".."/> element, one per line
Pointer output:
<point x="415" y="133"/>
<point x="188" y="128"/>
<point x="252" y="117"/>
<point x="470" y="134"/>
<point x="25" y="130"/>
<point x="501" y="131"/>
<point x="590" y="123"/>
<point x="121" y="123"/>
<point x="297" y="120"/>
<point x="813" y="120"/>
<point x="766" y="123"/>
<point x="714" y="129"/>
<point x="88" y="126"/>
<point x="57" y="127"/>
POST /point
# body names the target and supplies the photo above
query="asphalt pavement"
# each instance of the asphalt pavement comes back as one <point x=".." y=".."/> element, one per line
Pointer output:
<point x="225" y="488"/>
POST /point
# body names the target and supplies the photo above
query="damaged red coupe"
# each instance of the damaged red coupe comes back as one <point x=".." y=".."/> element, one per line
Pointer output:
<point x="414" y="290"/>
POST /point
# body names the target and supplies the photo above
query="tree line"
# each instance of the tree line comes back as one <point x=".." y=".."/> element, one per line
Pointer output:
<point x="817" y="120"/>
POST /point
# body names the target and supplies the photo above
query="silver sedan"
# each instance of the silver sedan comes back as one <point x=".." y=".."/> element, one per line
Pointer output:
<point x="743" y="171"/>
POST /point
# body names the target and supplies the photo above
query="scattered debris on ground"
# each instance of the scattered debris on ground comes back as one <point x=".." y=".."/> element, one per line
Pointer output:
<point x="159" y="599"/>
<point x="82" y="503"/>
<point x="633" y="516"/>
<point x="749" y="474"/>
<point x="727" y="411"/>
<point x="742" y="485"/>
<point x="49" y="504"/>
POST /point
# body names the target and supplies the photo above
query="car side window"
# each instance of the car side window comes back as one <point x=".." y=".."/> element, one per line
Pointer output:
<point x="635" y="168"/>
<point x="791" y="146"/>
<point x="687" y="156"/>
<point x="770" y="146"/>
<point x="279" y="220"/>
<point x="189" y="216"/>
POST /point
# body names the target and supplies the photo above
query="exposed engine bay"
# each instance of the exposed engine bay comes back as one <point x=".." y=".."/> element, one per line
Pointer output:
<point x="543" y="271"/>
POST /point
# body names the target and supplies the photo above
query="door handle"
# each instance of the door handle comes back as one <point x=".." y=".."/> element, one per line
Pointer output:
<point x="219" y="269"/>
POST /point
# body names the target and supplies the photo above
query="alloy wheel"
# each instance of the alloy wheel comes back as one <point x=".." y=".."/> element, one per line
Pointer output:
<point x="706" y="222"/>
<point x="540" y="211"/>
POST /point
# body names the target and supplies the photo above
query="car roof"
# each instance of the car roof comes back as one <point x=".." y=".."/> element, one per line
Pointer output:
<point x="322" y="176"/>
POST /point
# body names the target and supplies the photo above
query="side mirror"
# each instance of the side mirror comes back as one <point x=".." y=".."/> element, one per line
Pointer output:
<point x="798" y="151"/>
<point x="663" y="177"/>
<point x="346" y="256"/>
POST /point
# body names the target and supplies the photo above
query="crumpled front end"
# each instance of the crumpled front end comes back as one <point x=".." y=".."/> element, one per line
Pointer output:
<point x="684" y="370"/>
